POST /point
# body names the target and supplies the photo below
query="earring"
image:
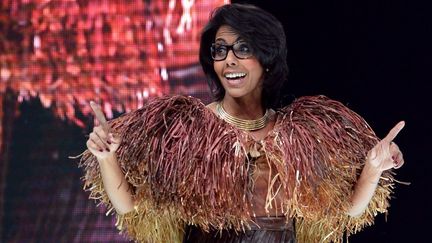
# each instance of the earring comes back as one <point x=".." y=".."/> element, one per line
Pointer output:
<point x="267" y="70"/>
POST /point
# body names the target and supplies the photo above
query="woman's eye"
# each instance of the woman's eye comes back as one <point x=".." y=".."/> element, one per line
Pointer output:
<point x="220" y="49"/>
<point x="243" y="47"/>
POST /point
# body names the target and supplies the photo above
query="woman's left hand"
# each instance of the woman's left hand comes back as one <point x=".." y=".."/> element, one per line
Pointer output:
<point x="386" y="154"/>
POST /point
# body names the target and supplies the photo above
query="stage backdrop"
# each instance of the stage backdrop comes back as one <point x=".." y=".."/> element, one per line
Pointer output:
<point x="56" y="56"/>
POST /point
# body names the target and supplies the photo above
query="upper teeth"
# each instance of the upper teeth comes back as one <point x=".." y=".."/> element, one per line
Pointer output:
<point x="235" y="75"/>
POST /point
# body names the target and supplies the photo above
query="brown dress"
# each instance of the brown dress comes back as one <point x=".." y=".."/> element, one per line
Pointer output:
<point x="268" y="226"/>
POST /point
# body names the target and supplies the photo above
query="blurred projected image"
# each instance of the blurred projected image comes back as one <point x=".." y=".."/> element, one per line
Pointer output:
<point x="56" y="56"/>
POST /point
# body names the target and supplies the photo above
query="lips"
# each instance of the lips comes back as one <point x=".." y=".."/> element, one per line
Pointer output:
<point x="235" y="78"/>
<point x="235" y="82"/>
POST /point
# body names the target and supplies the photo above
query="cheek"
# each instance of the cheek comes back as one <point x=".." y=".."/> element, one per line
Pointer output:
<point x="252" y="63"/>
<point x="257" y="70"/>
<point x="217" y="67"/>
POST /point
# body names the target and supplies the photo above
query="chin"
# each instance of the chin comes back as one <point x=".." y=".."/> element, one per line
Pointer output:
<point x="235" y="93"/>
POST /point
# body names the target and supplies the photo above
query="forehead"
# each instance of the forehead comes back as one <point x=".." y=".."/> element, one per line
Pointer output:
<point x="226" y="34"/>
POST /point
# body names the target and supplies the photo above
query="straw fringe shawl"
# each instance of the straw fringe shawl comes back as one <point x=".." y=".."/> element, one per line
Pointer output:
<point x="189" y="167"/>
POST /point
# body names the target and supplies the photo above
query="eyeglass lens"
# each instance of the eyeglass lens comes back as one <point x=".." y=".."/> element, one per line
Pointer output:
<point x="241" y="50"/>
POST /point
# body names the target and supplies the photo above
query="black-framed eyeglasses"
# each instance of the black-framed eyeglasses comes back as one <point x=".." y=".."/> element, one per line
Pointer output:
<point x="241" y="49"/>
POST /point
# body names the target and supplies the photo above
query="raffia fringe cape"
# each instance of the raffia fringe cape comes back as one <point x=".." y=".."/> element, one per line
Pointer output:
<point x="189" y="167"/>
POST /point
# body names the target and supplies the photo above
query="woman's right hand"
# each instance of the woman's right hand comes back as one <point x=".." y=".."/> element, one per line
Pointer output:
<point x="102" y="143"/>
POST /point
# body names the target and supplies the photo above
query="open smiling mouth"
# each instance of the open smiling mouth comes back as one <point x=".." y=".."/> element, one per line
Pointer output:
<point x="235" y="78"/>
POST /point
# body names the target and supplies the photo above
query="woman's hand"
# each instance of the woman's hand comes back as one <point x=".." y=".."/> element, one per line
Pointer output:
<point x="386" y="154"/>
<point x="102" y="143"/>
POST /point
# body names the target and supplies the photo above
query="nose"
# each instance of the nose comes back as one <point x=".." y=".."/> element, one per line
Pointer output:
<point x="231" y="59"/>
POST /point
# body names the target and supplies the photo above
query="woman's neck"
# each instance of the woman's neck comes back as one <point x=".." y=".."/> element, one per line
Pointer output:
<point x="243" y="108"/>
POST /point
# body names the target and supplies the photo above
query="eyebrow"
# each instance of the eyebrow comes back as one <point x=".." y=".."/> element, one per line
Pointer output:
<point x="223" y="40"/>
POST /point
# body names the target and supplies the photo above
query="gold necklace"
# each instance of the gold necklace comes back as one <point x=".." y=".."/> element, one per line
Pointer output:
<point x="248" y="125"/>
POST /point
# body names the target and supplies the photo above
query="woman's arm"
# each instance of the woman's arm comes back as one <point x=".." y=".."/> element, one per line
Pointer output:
<point x="385" y="155"/>
<point x="103" y="145"/>
<point x="364" y="190"/>
<point x="115" y="184"/>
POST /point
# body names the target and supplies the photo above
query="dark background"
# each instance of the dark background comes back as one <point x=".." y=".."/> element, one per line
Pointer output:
<point x="375" y="57"/>
<point x="372" y="56"/>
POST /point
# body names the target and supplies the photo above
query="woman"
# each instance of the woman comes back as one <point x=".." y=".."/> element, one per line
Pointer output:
<point x="237" y="170"/>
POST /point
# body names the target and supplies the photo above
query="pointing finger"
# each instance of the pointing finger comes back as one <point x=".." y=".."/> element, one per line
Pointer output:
<point x="100" y="117"/>
<point x="394" y="131"/>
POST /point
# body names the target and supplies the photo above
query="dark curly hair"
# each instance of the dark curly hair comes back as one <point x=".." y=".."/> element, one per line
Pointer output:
<point x="266" y="36"/>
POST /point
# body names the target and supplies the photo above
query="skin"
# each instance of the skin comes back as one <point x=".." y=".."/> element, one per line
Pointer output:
<point x="383" y="156"/>
<point x="247" y="92"/>
<point x="103" y="145"/>
<point x="243" y="100"/>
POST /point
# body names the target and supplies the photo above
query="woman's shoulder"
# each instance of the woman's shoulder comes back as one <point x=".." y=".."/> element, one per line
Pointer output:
<point x="175" y="99"/>
<point x="316" y="104"/>
<point x="311" y="101"/>
<point x="171" y="105"/>
<point x="321" y="112"/>
<point x="170" y="110"/>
